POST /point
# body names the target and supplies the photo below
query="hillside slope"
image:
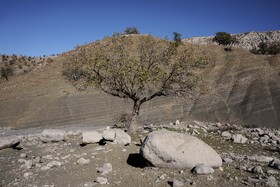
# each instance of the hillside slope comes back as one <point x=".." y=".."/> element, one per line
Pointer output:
<point x="241" y="88"/>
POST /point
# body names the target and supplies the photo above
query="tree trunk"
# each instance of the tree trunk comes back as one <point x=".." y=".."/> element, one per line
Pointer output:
<point x="134" y="118"/>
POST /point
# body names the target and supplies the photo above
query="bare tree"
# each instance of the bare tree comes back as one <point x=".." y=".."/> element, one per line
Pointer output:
<point x="138" y="67"/>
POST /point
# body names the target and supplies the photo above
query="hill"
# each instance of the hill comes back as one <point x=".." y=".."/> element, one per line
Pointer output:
<point x="242" y="88"/>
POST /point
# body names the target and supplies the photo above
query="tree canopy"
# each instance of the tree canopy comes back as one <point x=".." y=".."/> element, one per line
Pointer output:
<point x="139" y="68"/>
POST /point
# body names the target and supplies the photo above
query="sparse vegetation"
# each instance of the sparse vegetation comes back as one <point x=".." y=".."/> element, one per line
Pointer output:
<point x="267" y="49"/>
<point x="139" y="68"/>
<point x="177" y="37"/>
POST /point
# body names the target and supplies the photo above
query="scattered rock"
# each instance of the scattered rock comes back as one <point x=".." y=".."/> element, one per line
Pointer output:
<point x="258" y="170"/>
<point x="105" y="169"/>
<point x="227" y="160"/>
<point x="9" y="142"/>
<point x="117" y="135"/>
<point x="45" y="168"/>
<point x="275" y="164"/>
<point x="89" y="184"/>
<point x="28" y="164"/>
<point x="226" y="135"/>
<point x="101" y="180"/>
<point x="23" y="155"/>
<point x="83" y="161"/>
<point x="177" y="122"/>
<point x="201" y="169"/>
<point x="176" y="150"/>
<point x="54" y="163"/>
<point x="271" y="182"/>
<point x="91" y="137"/>
<point x="27" y="174"/>
<point x="238" y="138"/>
<point x="177" y="183"/>
<point x="53" y="135"/>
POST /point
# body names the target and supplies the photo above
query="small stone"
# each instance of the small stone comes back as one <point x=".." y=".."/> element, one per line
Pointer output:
<point x="275" y="164"/>
<point x="226" y="135"/>
<point x="271" y="182"/>
<point x="272" y="172"/>
<point x="162" y="177"/>
<point x="27" y="174"/>
<point x="101" y="180"/>
<point x="202" y="169"/>
<point x="45" y="168"/>
<point x="89" y="184"/>
<point x="28" y="164"/>
<point x="238" y="138"/>
<point x="23" y="155"/>
<point x="227" y="160"/>
<point x="105" y="169"/>
<point x="258" y="170"/>
<point x="177" y="122"/>
<point x="21" y="160"/>
<point x="54" y="164"/>
<point x="177" y="183"/>
<point x="83" y="161"/>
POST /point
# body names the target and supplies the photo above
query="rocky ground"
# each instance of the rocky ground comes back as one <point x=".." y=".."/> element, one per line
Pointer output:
<point x="250" y="158"/>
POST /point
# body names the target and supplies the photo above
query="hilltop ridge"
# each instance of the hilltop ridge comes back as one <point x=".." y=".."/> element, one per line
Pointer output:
<point x="247" y="40"/>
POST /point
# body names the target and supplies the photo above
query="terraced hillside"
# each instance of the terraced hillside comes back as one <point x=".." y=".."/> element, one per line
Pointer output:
<point x="241" y="88"/>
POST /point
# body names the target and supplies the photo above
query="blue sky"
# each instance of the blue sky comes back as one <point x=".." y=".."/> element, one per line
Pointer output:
<point x="45" y="27"/>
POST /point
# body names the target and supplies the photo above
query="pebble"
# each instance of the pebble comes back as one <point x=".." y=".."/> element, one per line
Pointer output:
<point x="101" y="180"/>
<point x="83" y="161"/>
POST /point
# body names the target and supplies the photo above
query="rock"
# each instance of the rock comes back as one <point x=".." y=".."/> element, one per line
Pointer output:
<point x="91" y="137"/>
<point x="45" y="168"/>
<point x="101" y="180"/>
<point x="227" y="160"/>
<point x="53" y="135"/>
<point x="89" y="184"/>
<point x="272" y="172"/>
<point x="116" y="135"/>
<point x="201" y="169"/>
<point x="177" y="122"/>
<point x="271" y="182"/>
<point x="238" y="138"/>
<point x="177" y="183"/>
<point x="23" y="155"/>
<point x="226" y="135"/>
<point x="54" y="163"/>
<point x="83" y="161"/>
<point x="258" y="170"/>
<point x="169" y="149"/>
<point x="9" y="142"/>
<point x="28" y="164"/>
<point x="260" y="158"/>
<point x="275" y="164"/>
<point x="105" y="169"/>
<point x="27" y="174"/>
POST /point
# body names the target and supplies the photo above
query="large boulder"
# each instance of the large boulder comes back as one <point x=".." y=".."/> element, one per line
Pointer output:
<point x="53" y="135"/>
<point x="91" y="137"/>
<point x="176" y="150"/>
<point x="116" y="135"/>
<point x="9" y="142"/>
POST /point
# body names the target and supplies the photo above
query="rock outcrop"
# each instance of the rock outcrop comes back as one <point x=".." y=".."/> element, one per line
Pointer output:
<point x="248" y="40"/>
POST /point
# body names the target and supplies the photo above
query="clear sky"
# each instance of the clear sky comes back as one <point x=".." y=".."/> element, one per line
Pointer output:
<point x="45" y="27"/>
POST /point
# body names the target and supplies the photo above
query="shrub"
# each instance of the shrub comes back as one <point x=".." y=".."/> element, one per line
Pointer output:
<point x="6" y="72"/>
<point x="131" y="30"/>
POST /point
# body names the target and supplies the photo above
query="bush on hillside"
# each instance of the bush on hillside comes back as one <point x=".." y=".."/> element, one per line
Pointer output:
<point x="267" y="49"/>
<point x="131" y="30"/>
<point x="223" y="38"/>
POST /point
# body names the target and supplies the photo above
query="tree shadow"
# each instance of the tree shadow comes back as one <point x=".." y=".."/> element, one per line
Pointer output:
<point x="137" y="160"/>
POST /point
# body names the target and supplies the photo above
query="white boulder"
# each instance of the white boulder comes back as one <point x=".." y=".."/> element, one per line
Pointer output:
<point x="116" y="135"/>
<point x="9" y="142"/>
<point x="176" y="150"/>
<point x="53" y="135"/>
<point x="91" y="137"/>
